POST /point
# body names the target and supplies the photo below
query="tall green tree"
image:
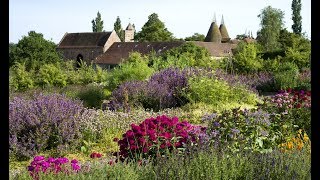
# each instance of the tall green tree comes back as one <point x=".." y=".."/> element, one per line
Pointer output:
<point x="195" y="37"/>
<point x="153" y="30"/>
<point x="118" y="28"/>
<point x="12" y="49"/>
<point x="97" y="24"/>
<point x="296" y="47"/>
<point x="34" y="51"/>
<point x="296" y="17"/>
<point x="271" y="25"/>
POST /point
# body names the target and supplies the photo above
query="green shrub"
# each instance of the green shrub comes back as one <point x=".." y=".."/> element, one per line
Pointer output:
<point x="20" y="79"/>
<point x="86" y="73"/>
<point x="246" y="59"/>
<point x="186" y="55"/>
<point x="216" y="92"/>
<point x="135" y="69"/>
<point x="286" y="76"/>
<point x="51" y="75"/>
<point x="92" y="96"/>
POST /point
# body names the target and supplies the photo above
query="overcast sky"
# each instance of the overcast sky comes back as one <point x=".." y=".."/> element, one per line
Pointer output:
<point x="181" y="17"/>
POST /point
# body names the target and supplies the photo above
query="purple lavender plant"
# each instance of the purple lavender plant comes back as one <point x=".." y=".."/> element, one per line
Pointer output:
<point x="163" y="90"/>
<point x="43" y="122"/>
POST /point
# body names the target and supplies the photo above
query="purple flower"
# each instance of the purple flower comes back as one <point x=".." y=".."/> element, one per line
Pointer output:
<point x="74" y="161"/>
<point x="216" y="124"/>
<point x="30" y="168"/>
<point x="50" y="160"/>
<point x="235" y="131"/>
<point x="38" y="158"/>
<point x="75" y="166"/>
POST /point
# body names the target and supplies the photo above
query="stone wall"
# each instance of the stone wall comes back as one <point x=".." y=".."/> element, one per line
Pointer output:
<point x="88" y="53"/>
<point x="128" y="35"/>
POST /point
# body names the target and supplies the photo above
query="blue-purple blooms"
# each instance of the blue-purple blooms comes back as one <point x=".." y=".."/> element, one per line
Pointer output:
<point x="253" y="82"/>
<point x="162" y="90"/>
<point x="41" y="123"/>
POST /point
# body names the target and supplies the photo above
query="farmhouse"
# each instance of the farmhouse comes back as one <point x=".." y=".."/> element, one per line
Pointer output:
<point x="106" y="49"/>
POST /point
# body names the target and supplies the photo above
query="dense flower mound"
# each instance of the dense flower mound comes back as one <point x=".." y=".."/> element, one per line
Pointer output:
<point x="163" y="90"/>
<point x="158" y="136"/>
<point x="42" y="123"/>
<point x="52" y="165"/>
<point x="292" y="99"/>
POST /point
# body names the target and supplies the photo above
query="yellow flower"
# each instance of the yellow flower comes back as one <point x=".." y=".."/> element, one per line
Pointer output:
<point x="305" y="137"/>
<point x="290" y="145"/>
<point x="300" y="146"/>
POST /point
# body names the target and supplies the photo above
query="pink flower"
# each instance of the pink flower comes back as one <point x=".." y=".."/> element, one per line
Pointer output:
<point x="38" y="158"/>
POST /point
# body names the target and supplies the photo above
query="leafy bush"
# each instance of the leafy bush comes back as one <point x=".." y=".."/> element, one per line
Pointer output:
<point x="155" y="137"/>
<point x="246" y="59"/>
<point x="42" y="123"/>
<point x="92" y="96"/>
<point x="216" y="92"/>
<point x="51" y="75"/>
<point x="20" y="78"/>
<point x="286" y="76"/>
<point x="186" y="55"/>
<point x="135" y="69"/>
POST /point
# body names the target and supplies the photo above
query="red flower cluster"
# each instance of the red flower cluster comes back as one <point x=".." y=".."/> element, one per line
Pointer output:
<point x="95" y="155"/>
<point x="293" y="99"/>
<point x="153" y="137"/>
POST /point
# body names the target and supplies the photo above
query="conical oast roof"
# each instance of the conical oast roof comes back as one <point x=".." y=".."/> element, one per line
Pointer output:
<point x="224" y="32"/>
<point x="213" y="34"/>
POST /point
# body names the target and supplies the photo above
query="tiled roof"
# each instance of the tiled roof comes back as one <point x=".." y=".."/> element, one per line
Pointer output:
<point x="217" y="49"/>
<point x="121" y="50"/>
<point x="88" y="39"/>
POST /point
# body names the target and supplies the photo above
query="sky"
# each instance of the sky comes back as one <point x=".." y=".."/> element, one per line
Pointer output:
<point x="181" y="17"/>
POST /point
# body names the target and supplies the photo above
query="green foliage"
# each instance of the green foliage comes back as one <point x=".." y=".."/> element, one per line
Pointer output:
<point x="51" y="75"/>
<point x="195" y="37"/>
<point x="55" y="74"/>
<point x="246" y="58"/>
<point x="186" y="55"/>
<point x="302" y="59"/>
<point x="271" y="24"/>
<point x="97" y="24"/>
<point x="216" y="92"/>
<point x="286" y="76"/>
<point x="202" y="165"/>
<point x="20" y="79"/>
<point x="34" y="51"/>
<point x="297" y="49"/>
<point x="92" y="96"/>
<point x="117" y="27"/>
<point x="271" y="65"/>
<point x="87" y="73"/>
<point x="153" y="30"/>
<point x="296" y="17"/>
<point x="134" y="68"/>
<point x="12" y="49"/>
